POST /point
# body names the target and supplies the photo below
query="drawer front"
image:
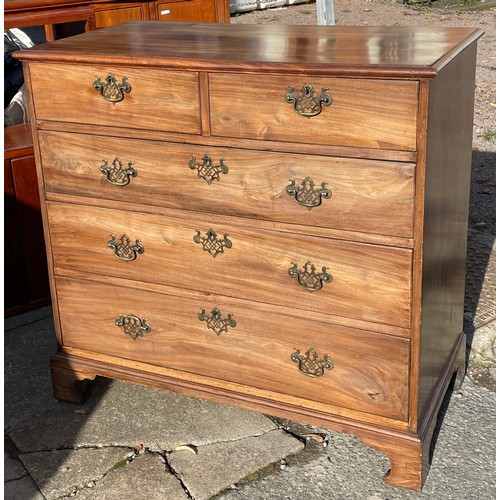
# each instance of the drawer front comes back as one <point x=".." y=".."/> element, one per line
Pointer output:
<point x="349" y="194"/>
<point x="369" y="373"/>
<point x="364" y="282"/>
<point x="192" y="11"/>
<point x="155" y="99"/>
<point x="363" y="113"/>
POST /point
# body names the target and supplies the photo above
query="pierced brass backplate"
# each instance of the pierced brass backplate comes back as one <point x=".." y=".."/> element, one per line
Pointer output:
<point x="306" y="195"/>
<point x="207" y="170"/>
<point x="215" y="321"/>
<point x="309" y="364"/>
<point x="116" y="174"/>
<point x="110" y="90"/>
<point x="305" y="103"/>
<point x="133" y="325"/>
<point x="211" y="244"/>
<point x="124" y="250"/>
<point x="309" y="279"/>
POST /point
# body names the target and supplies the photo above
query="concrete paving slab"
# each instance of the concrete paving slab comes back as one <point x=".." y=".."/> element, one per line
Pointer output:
<point x="145" y="478"/>
<point x="463" y="465"/>
<point x="22" y="489"/>
<point x="27" y="383"/>
<point x="121" y="414"/>
<point x="61" y="472"/>
<point x="218" y="466"/>
<point x="12" y="468"/>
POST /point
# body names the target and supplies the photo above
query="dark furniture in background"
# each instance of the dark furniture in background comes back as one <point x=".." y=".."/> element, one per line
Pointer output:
<point x="26" y="279"/>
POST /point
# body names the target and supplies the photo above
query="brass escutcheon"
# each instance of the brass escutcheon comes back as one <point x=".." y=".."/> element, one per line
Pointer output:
<point x="309" y="364"/>
<point x="211" y="244"/>
<point x="116" y="174"/>
<point x="124" y="250"/>
<point x="305" y="103"/>
<point x="306" y="195"/>
<point x="111" y="91"/>
<point x="207" y="170"/>
<point x="309" y="279"/>
<point x="132" y="325"/>
<point x="215" y="321"/>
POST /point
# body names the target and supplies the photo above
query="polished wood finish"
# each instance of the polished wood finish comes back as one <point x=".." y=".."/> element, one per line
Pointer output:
<point x="369" y="282"/>
<point x="398" y="52"/>
<point x="172" y="95"/>
<point x="195" y="11"/>
<point x="392" y="235"/>
<point x="366" y="364"/>
<point x="366" y="195"/>
<point x="364" y="113"/>
<point x="26" y="282"/>
<point x="449" y="150"/>
<point x="108" y="14"/>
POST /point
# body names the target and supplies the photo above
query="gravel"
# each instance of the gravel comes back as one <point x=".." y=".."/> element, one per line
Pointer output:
<point x="385" y="13"/>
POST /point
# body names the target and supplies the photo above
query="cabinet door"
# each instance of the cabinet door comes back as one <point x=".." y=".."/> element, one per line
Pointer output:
<point x="110" y="14"/>
<point x="195" y="11"/>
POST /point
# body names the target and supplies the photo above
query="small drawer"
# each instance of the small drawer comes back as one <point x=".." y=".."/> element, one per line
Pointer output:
<point x="380" y="114"/>
<point x="248" y="344"/>
<point x="358" y="281"/>
<point x="367" y="196"/>
<point x="133" y="98"/>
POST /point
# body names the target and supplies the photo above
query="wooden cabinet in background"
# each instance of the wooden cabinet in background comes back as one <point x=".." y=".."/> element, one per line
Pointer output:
<point x="62" y="18"/>
<point x="107" y="14"/>
<point x="195" y="11"/>
<point x="26" y="279"/>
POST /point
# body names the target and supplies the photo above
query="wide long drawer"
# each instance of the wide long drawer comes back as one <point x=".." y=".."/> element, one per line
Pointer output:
<point x="338" y="278"/>
<point x="349" y="194"/>
<point x="251" y="344"/>
<point x="119" y="97"/>
<point x="380" y="114"/>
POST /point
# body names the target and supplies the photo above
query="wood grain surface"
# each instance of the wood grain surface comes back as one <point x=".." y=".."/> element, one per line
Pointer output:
<point x="368" y="373"/>
<point x="369" y="282"/>
<point x="108" y="14"/>
<point x="196" y="11"/>
<point x="449" y="150"/>
<point x="389" y="51"/>
<point x="159" y="100"/>
<point x="364" y="113"/>
<point x="366" y="195"/>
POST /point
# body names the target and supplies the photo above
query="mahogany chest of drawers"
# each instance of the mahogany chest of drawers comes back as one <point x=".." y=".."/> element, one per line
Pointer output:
<point x="273" y="217"/>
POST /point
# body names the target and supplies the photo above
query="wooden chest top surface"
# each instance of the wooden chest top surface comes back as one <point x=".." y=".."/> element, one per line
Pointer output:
<point x="393" y="51"/>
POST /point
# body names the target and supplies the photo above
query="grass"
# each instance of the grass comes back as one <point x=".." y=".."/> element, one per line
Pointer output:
<point x="490" y="134"/>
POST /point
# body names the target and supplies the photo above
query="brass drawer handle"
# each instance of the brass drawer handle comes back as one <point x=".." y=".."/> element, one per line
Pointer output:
<point x="211" y="244"/>
<point x="309" y="364"/>
<point x="309" y="279"/>
<point x="116" y="174"/>
<point x="215" y="321"/>
<point x="132" y="325"/>
<point x="110" y="90"/>
<point x="123" y="248"/>
<point x="305" y="103"/>
<point x="207" y="170"/>
<point x="306" y="195"/>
